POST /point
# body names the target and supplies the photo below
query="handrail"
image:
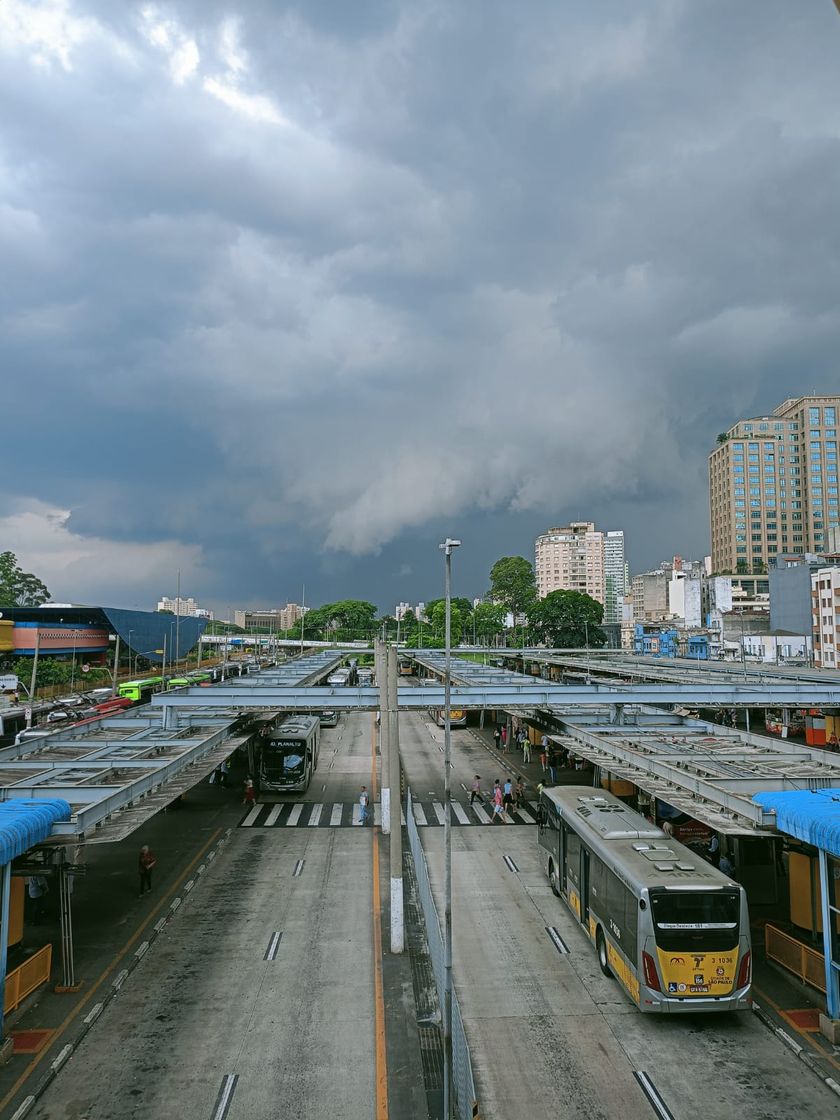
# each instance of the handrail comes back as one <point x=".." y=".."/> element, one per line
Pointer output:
<point x="27" y="977"/>
<point x="800" y="959"/>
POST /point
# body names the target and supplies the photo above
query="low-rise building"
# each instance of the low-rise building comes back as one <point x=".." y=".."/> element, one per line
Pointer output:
<point x="186" y="608"/>
<point x="825" y="617"/>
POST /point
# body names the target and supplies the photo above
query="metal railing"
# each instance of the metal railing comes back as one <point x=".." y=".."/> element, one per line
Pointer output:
<point x="27" y="977"/>
<point x="462" y="1074"/>
<point x="795" y="956"/>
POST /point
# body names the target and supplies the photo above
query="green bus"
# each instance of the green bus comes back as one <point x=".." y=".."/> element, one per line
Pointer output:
<point x="178" y="682"/>
<point x="670" y="927"/>
<point x="140" y="691"/>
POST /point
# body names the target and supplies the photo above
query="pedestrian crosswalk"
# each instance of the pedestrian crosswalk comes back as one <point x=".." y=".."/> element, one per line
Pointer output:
<point x="347" y="814"/>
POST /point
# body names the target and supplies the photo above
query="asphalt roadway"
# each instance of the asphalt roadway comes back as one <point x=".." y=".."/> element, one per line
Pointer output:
<point x="224" y="1019"/>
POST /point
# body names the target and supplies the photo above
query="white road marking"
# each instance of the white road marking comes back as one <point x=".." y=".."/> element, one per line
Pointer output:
<point x="298" y="871"/>
<point x="294" y="816"/>
<point x="357" y="815"/>
<point x="419" y="813"/>
<point x="559" y="944"/>
<point x="652" y="1094"/>
<point x="316" y="815"/>
<point x="440" y="813"/>
<point x="480" y="813"/>
<point x="335" y="819"/>
<point x="526" y="817"/>
<point x="225" y="1096"/>
<point x="273" y="946"/>
<point x="273" y="815"/>
<point x="511" y="865"/>
<point x="458" y="810"/>
<point x="252" y="816"/>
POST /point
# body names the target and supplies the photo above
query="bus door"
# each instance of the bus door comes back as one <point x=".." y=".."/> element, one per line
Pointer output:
<point x="584" y="885"/>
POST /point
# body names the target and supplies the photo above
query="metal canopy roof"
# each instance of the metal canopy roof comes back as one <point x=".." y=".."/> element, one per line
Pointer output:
<point x="119" y="771"/>
<point x="710" y="773"/>
<point x="809" y="815"/>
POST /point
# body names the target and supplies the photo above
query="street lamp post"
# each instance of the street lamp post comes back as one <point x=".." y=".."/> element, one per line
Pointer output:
<point x="447" y="546"/>
<point x="130" y="649"/>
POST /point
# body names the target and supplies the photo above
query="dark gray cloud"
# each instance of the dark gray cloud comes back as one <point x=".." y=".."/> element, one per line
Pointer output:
<point x="297" y="292"/>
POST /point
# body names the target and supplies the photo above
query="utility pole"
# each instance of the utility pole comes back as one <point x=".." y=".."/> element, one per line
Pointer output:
<point x="116" y="663"/>
<point x="447" y="546"/>
<point x="34" y="680"/>
<point x="397" y="927"/>
<point x="384" y="735"/>
<point x="178" y="623"/>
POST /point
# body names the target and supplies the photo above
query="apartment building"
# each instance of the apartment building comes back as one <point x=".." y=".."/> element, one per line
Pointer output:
<point x="825" y="613"/>
<point x="274" y="620"/>
<point x="579" y="557"/>
<point x="184" y="607"/>
<point x="773" y="485"/>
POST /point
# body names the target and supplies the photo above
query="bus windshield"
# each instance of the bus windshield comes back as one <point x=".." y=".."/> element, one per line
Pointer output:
<point x="686" y="919"/>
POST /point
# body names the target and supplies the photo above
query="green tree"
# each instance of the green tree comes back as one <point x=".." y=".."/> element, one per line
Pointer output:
<point x="17" y="587"/>
<point x="568" y="620"/>
<point x="487" y="620"/>
<point x="463" y="605"/>
<point x="512" y="584"/>
<point x="437" y="624"/>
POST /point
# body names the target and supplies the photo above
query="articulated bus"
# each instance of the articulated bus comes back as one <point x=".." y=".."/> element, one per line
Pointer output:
<point x="672" y="929"/>
<point x="141" y="691"/>
<point x="288" y="757"/>
<point x="457" y="717"/>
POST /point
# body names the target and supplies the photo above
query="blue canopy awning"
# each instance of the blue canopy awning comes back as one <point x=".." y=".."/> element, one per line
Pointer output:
<point x="812" y="815"/>
<point x="24" y="822"/>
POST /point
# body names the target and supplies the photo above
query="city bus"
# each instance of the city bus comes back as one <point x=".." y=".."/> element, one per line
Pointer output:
<point x="287" y="758"/>
<point x="668" y="925"/>
<point x="140" y="691"/>
<point x="340" y="678"/>
<point x="178" y="682"/>
<point x="405" y="667"/>
<point x="457" y="717"/>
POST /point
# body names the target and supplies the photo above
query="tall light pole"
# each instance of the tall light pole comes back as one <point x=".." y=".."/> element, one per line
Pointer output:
<point x="130" y="648"/>
<point x="447" y="546"/>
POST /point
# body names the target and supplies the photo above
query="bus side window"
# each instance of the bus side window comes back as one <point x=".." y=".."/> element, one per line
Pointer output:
<point x="572" y="856"/>
<point x="597" y="885"/>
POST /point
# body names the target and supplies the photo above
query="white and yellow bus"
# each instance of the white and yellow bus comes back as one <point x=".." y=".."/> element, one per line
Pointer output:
<point x="670" y="927"/>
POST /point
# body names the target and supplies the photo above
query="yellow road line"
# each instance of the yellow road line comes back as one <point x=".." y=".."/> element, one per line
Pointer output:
<point x="809" y="1036"/>
<point x="379" y="1001"/>
<point x="110" y="968"/>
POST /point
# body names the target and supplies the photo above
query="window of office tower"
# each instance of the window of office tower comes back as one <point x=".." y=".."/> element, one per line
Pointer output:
<point x="813" y="415"/>
<point x="829" y="414"/>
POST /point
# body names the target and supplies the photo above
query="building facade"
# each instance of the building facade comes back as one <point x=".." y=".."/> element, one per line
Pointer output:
<point x="271" y="621"/>
<point x="773" y="485"/>
<point x="825" y="617"/>
<point x="188" y="608"/>
<point x="579" y="557"/>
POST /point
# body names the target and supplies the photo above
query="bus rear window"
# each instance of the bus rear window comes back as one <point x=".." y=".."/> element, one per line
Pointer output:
<point x="703" y="919"/>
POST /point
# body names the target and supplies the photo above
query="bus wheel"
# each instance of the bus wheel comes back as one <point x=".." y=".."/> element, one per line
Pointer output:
<point x="601" y="945"/>
<point x="552" y="878"/>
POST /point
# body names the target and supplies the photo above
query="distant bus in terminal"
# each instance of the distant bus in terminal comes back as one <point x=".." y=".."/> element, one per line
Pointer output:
<point x="141" y="691"/>
<point x="457" y="717"/>
<point x="364" y="676"/>
<point x="340" y="678"/>
<point x="670" y="927"/>
<point x="178" y="682"/>
<point x="328" y="719"/>
<point x="287" y="759"/>
<point x="405" y="667"/>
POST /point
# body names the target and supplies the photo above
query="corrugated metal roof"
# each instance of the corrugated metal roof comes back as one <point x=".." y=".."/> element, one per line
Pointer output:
<point x="812" y="815"/>
<point x="25" y="822"/>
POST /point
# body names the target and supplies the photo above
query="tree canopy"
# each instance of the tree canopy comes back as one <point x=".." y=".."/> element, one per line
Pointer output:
<point x="17" y="587"/>
<point x="568" y="620"/>
<point x="512" y="584"/>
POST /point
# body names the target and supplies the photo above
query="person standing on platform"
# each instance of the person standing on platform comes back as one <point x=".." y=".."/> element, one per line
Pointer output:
<point x="497" y="736"/>
<point x="250" y="794"/>
<point x="713" y="850"/>
<point x="145" y="864"/>
<point x="526" y="747"/>
<point x="504" y="739"/>
<point x="37" y="888"/>
<point x="544" y="753"/>
<point x="552" y="763"/>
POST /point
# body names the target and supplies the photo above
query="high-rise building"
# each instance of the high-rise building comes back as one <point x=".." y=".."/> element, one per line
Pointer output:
<point x="273" y="620"/>
<point x="183" y="607"/>
<point x="616" y="584"/>
<point x="571" y="558"/>
<point x="773" y="485"/>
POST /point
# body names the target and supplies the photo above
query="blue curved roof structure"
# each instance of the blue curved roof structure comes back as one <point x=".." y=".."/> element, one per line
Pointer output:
<point x="142" y="631"/>
<point x="812" y="815"/>
<point x="24" y="822"/>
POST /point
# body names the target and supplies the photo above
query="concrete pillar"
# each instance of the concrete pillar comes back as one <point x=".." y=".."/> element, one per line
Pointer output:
<point x="829" y="914"/>
<point x="384" y="736"/>
<point x="397" y="911"/>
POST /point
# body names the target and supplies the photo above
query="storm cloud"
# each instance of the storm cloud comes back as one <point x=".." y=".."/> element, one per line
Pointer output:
<point x="290" y="294"/>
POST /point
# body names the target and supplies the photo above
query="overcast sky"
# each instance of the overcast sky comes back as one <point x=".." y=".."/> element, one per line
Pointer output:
<point x="288" y="295"/>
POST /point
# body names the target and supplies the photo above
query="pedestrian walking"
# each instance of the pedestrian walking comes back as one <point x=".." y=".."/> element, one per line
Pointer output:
<point x="713" y="850"/>
<point x="519" y="794"/>
<point x="224" y="770"/>
<point x="507" y="795"/>
<point x="250" y="794"/>
<point x="364" y="801"/>
<point x="37" y="889"/>
<point x="504" y="739"/>
<point x="727" y="866"/>
<point x="145" y="864"/>
<point x="526" y="747"/>
<point x="497" y="736"/>
<point x="552" y="763"/>
<point x="544" y="753"/>
<point x="497" y="791"/>
<point x="475" y="790"/>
